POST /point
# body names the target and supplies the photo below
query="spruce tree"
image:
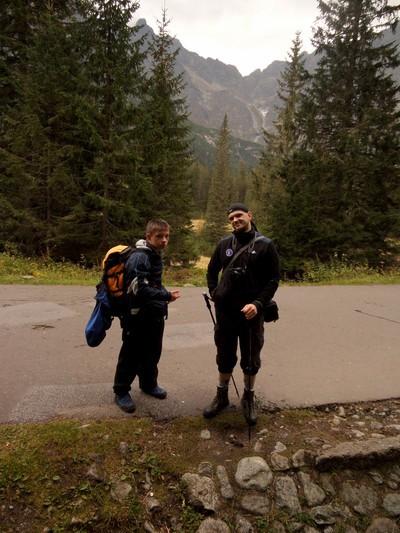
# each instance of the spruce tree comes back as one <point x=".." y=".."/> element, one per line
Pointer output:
<point x="113" y="190"/>
<point x="220" y="187"/>
<point x="38" y="144"/>
<point x="166" y="157"/>
<point x="352" y="133"/>
<point x="275" y="180"/>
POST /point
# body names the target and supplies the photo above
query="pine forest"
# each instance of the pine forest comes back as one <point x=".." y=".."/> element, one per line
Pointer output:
<point x="96" y="139"/>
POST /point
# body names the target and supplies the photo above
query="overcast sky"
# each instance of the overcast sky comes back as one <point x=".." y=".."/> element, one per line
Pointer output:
<point x="248" y="34"/>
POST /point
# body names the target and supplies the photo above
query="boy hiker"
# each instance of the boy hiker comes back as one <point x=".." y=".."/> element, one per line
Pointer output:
<point x="245" y="287"/>
<point x="143" y="325"/>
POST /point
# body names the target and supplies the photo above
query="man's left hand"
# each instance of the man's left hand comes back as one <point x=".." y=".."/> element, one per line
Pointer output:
<point x="249" y="311"/>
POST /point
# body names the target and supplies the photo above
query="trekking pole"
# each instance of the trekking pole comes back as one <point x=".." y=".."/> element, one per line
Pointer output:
<point x="207" y="300"/>
<point x="248" y="384"/>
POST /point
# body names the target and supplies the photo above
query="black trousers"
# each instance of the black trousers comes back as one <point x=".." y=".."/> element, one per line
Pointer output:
<point x="140" y="353"/>
<point x="232" y="326"/>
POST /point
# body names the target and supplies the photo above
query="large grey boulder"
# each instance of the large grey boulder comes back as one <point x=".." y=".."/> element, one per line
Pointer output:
<point x="361" y="498"/>
<point x="253" y="473"/>
<point x="286" y="496"/>
<point x="200" y="491"/>
<point x="359" y="454"/>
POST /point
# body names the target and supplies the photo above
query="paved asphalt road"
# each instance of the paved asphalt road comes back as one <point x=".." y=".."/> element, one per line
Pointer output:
<point x="332" y="344"/>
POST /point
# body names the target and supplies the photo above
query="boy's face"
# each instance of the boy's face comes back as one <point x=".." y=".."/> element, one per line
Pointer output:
<point x="158" y="239"/>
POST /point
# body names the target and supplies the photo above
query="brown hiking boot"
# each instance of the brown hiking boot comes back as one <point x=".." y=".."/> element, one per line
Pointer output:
<point x="218" y="404"/>
<point x="248" y="407"/>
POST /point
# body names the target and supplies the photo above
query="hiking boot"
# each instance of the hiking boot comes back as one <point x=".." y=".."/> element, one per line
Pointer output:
<point x="248" y="407"/>
<point x="219" y="403"/>
<point x="125" y="402"/>
<point x="156" y="392"/>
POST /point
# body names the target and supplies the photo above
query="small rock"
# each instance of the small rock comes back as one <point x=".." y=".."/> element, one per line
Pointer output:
<point x="123" y="448"/>
<point x="299" y="458"/>
<point x="120" y="490"/>
<point x="376" y="476"/>
<point x="151" y="504"/>
<point x="205" y="469"/>
<point x="75" y="521"/>
<point x="226" y="488"/>
<point x="325" y="514"/>
<point x="336" y="420"/>
<point x="326" y="482"/>
<point x="314" y="441"/>
<point x="391" y="504"/>
<point x="255" y="504"/>
<point x="376" y="425"/>
<point x="394" y="476"/>
<point x="280" y="447"/>
<point x="286" y="495"/>
<point x="383" y="525"/>
<point x="259" y="446"/>
<point x="210" y="525"/>
<point x="341" y="411"/>
<point x="361" y="498"/>
<point x="357" y="434"/>
<point x="201" y="492"/>
<point x="279" y="462"/>
<point x="235" y="441"/>
<point x="149" y="528"/>
<point x="96" y="473"/>
<point x="296" y="526"/>
<point x="277" y="527"/>
<point x="243" y="525"/>
<point x="205" y="434"/>
<point x="312" y="492"/>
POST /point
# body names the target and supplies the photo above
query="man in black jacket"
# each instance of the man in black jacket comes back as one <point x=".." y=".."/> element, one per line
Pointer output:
<point x="248" y="282"/>
<point x="143" y="324"/>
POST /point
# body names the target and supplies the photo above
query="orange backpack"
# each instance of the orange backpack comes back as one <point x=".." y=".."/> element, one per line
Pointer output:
<point x="114" y="274"/>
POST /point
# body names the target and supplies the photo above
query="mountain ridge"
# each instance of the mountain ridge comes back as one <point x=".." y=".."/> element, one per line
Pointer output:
<point x="214" y="88"/>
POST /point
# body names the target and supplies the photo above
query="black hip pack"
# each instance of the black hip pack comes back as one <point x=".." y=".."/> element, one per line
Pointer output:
<point x="271" y="311"/>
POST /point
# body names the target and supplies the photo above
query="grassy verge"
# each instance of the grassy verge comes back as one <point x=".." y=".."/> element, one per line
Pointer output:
<point x="47" y="480"/>
<point x="67" y="475"/>
<point x="21" y="270"/>
<point x="45" y="484"/>
<point x="343" y="273"/>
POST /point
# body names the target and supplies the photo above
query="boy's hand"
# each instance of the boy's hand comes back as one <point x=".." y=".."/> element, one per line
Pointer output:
<point x="175" y="295"/>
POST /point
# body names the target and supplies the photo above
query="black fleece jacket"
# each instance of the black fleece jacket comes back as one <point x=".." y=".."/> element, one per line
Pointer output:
<point x="144" y="268"/>
<point x="252" y="278"/>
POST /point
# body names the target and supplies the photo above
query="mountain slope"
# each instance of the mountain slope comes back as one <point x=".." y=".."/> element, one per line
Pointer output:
<point x="214" y="88"/>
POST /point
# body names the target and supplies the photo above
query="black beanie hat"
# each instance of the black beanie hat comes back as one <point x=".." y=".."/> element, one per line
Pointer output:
<point x="237" y="207"/>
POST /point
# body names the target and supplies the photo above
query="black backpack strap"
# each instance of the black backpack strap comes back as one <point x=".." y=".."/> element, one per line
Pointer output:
<point x="241" y="250"/>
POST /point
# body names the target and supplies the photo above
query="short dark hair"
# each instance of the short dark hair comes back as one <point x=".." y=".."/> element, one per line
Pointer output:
<point x="237" y="206"/>
<point x="156" y="224"/>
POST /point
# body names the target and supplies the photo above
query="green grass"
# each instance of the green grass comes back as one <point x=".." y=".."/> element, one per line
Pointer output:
<point x="338" y="272"/>
<point x="35" y="271"/>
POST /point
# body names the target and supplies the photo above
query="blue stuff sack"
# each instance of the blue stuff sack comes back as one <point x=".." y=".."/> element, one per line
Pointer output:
<point x="101" y="318"/>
